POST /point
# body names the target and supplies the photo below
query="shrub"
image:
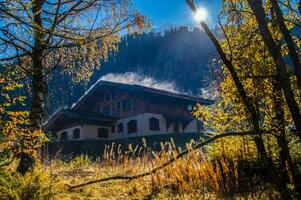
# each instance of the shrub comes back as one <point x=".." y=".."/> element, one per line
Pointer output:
<point x="33" y="186"/>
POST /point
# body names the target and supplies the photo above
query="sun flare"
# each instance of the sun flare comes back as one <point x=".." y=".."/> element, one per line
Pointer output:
<point x="201" y="15"/>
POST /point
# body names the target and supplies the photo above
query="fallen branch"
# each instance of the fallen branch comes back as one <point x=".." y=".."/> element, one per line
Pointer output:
<point x="180" y="155"/>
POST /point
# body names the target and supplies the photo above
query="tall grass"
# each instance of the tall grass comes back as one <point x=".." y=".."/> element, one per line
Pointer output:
<point x="195" y="176"/>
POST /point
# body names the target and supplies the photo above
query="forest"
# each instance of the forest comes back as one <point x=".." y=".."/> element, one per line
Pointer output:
<point x="52" y="51"/>
<point x="157" y="55"/>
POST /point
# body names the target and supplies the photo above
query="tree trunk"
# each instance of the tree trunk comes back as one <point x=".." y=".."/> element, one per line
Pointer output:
<point x="250" y="108"/>
<point x="36" y="116"/>
<point x="26" y="163"/>
<point x="286" y="164"/>
<point x="287" y="170"/>
<point x="38" y="85"/>
<point x="282" y="76"/>
<point x="38" y="96"/>
<point x="270" y="168"/>
<point x="268" y="164"/>
<point x="289" y="41"/>
<point x="282" y="81"/>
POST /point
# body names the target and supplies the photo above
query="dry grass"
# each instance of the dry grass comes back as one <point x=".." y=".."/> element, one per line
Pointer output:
<point x="192" y="177"/>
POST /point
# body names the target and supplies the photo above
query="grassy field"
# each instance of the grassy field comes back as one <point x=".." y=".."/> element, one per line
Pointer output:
<point x="194" y="176"/>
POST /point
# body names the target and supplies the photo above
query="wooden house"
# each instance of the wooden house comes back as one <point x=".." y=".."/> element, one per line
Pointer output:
<point x="112" y="110"/>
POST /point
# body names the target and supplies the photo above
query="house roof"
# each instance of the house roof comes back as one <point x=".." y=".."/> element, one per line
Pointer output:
<point x="80" y="116"/>
<point x="140" y="88"/>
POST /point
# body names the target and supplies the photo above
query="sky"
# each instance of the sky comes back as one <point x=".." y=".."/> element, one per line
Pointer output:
<point x="176" y="12"/>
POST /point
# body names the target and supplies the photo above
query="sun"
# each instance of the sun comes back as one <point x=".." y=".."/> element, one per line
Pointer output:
<point x="201" y="15"/>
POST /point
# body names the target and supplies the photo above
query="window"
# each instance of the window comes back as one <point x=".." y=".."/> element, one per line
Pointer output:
<point x="76" y="133"/>
<point x="127" y="105"/>
<point x="132" y="126"/>
<point x="64" y="136"/>
<point x="154" y="124"/>
<point x="120" y="128"/>
<point x="102" y="133"/>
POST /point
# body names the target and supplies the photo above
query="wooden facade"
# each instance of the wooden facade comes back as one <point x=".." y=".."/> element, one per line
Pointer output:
<point x="139" y="110"/>
<point x="123" y="103"/>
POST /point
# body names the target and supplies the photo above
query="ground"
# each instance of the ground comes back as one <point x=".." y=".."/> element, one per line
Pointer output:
<point x="193" y="176"/>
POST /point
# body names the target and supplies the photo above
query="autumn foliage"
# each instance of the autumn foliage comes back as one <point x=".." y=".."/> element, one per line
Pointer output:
<point x="259" y="94"/>
<point x="16" y="135"/>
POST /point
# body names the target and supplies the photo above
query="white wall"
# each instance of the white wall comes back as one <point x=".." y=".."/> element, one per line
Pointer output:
<point x="145" y="122"/>
<point x="70" y="133"/>
<point x="89" y="132"/>
<point x="143" y="126"/>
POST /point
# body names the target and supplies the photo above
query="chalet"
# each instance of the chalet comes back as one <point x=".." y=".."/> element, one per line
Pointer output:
<point x="112" y="110"/>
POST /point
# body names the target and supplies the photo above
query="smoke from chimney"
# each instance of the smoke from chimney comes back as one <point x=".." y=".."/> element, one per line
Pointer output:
<point x="138" y="79"/>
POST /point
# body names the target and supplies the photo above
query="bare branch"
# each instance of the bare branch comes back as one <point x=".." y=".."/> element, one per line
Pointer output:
<point x="227" y="38"/>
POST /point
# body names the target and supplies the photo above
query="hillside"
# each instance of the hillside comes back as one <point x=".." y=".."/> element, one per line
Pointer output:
<point x="179" y="58"/>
